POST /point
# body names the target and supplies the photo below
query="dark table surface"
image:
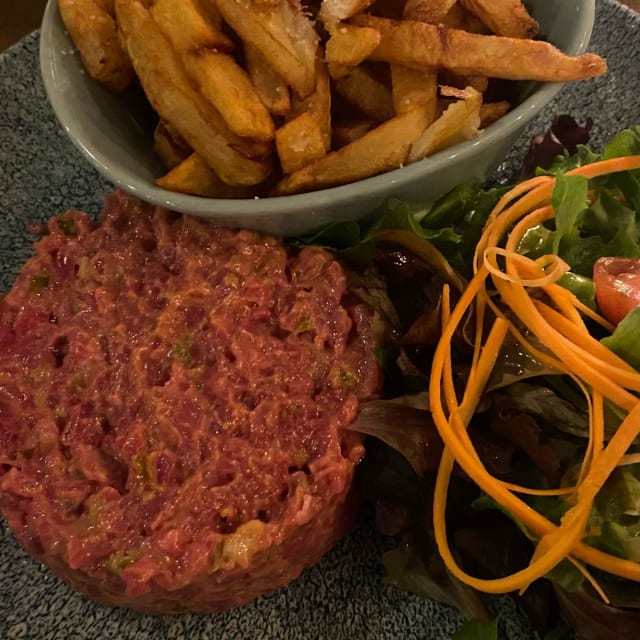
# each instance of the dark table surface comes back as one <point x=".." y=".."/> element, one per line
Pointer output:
<point x="20" y="17"/>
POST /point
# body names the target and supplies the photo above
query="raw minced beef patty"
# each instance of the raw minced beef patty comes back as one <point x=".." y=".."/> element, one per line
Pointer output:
<point x="173" y="398"/>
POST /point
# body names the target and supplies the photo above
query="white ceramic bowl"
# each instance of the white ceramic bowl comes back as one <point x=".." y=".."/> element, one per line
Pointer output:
<point x="114" y="133"/>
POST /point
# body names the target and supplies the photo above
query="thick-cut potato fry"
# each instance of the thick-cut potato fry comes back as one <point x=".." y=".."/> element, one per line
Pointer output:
<point x="345" y="133"/>
<point x="432" y="11"/>
<point x="271" y="87"/>
<point x="106" y="6"/>
<point x="460" y="121"/>
<point x="282" y="33"/>
<point x="348" y="45"/>
<point x="94" y="32"/>
<point x="332" y="11"/>
<point x="299" y="142"/>
<point x="249" y="92"/>
<point x="425" y="46"/>
<point x="227" y="86"/>
<point x="318" y="103"/>
<point x="211" y="13"/>
<point x="169" y="145"/>
<point x="381" y="149"/>
<point x="164" y="81"/>
<point x="459" y="18"/>
<point x="411" y="87"/>
<point x="504" y="17"/>
<point x="218" y="77"/>
<point x="449" y="78"/>
<point x="194" y="176"/>
<point x="370" y="96"/>
<point x="188" y="28"/>
<point x="491" y="112"/>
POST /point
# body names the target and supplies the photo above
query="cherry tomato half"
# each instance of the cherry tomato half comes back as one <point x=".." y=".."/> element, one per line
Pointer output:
<point x="617" y="282"/>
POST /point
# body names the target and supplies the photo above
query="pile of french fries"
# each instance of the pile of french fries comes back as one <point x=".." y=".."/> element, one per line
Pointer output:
<point x="268" y="97"/>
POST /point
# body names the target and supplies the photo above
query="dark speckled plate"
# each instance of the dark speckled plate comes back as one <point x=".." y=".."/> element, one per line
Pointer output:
<point x="343" y="597"/>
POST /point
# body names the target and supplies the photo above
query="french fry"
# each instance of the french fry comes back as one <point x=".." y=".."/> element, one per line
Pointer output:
<point x="432" y="11"/>
<point x="194" y="176"/>
<point x="412" y="87"/>
<point x="333" y="11"/>
<point x="227" y="86"/>
<point x="165" y="83"/>
<point x="425" y="46"/>
<point x="93" y="30"/>
<point x="370" y="96"/>
<point x="188" y="28"/>
<point x="299" y="142"/>
<point x="282" y="33"/>
<point x="246" y="94"/>
<point x="459" y="18"/>
<point x="504" y="17"/>
<point x="348" y="46"/>
<point x="491" y="112"/>
<point x="318" y="103"/>
<point x="169" y="145"/>
<point x="381" y="149"/>
<point x="211" y="13"/>
<point x="479" y="83"/>
<point x="460" y="121"/>
<point x="106" y="6"/>
<point x="271" y="88"/>
<point x="345" y="133"/>
<point x="217" y="76"/>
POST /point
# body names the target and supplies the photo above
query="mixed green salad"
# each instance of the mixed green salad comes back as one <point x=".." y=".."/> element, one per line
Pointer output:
<point x="532" y="425"/>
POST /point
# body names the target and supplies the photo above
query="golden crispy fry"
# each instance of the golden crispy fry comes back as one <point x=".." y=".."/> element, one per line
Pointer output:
<point x="106" y="6"/>
<point x="282" y="33"/>
<point x="432" y="11"/>
<point x="348" y="45"/>
<point x="449" y="78"/>
<point x="460" y="121"/>
<point x="94" y="32"/>
<point x="491" y="112"/>
<point x="228" y="87"/>
<point x="424" y="46"/>
<point x="391" y="87"/>
<point x="169" y="145"/>
<point x="188" y="28"/>
<point x="165" y="83"/>
<point x="412" y="88"/>
<point x="381" y="149"/>
<point x="370" y="96"/>
<point x="459" y="18"/>
<point x="194" y="176"/>
<point x="345" y="133"/>
<point x="504" y="17"/>
<point x="271" y="88"/>
<point x="217" y="76"/>
<point x="211" y="13"/>
<point x="332" y="11"/>
<point x="299" y="142"/>
<point x="318" y="103"/>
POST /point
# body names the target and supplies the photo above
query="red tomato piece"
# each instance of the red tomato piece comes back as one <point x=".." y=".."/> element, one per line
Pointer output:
<point x="617" y="282"/>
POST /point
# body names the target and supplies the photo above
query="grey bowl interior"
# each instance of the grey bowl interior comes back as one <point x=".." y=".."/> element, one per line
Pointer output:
<point x="114" y="134"/>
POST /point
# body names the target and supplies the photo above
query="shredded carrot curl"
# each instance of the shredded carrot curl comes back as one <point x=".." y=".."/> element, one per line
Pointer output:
<point x="556" y="321"/>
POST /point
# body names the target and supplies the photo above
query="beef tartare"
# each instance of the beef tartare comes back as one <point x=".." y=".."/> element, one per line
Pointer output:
<point x="173" y="404"/>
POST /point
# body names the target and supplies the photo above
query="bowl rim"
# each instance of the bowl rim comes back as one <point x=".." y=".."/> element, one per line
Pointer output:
<point x="373" y="186"/>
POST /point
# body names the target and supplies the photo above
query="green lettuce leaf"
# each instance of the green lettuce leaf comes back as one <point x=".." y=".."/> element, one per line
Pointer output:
<point x="624" y="340"/>
<point x="569" y="199"/>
